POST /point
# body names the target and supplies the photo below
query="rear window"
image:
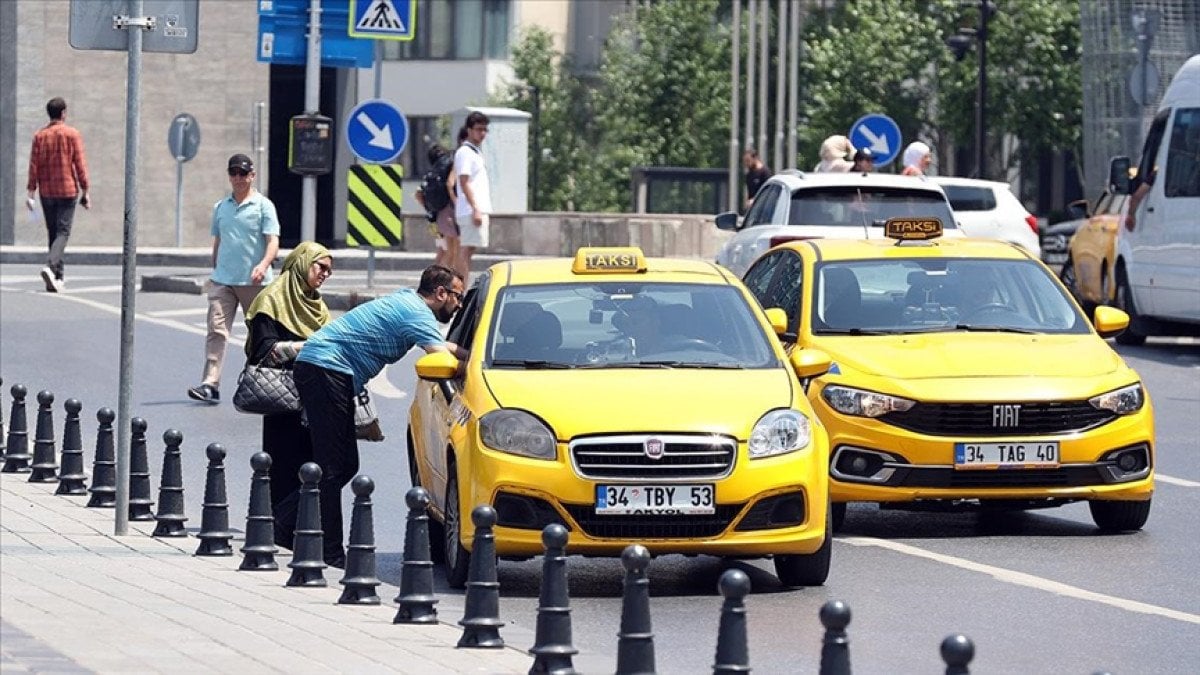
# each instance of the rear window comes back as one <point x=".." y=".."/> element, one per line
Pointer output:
<point x="861" y="206"/>
<point x="967" y="198"/>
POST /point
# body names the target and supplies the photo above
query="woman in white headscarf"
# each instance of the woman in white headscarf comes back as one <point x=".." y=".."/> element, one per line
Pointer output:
<point x="917" y="158"/>
<point x="836" y="153"/>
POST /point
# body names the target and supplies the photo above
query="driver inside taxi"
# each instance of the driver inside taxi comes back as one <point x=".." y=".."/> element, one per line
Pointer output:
<point x="640" y="321"/>
<point x="977" y="294"/>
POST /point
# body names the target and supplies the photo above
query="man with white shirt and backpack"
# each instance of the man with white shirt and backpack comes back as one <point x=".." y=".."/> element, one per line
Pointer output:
<point x="473" y="204"/>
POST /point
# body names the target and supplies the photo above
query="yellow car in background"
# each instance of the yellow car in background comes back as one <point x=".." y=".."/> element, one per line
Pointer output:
<point x="1089" y="272"/>
<point x="963" y="375"/>
<point x="631" y="400"/>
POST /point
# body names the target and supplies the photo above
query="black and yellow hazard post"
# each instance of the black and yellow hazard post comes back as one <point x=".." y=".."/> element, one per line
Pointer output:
<point x="373" y="209"/>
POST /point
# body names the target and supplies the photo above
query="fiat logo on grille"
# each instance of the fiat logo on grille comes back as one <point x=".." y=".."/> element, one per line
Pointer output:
<point x="654" y="448"/>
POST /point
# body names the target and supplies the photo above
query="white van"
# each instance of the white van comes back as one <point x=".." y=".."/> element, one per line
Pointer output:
<point x="1158" y="258"/>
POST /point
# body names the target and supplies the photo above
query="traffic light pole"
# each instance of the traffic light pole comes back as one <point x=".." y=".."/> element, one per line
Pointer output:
<point x="981" y="40"/>
<point x="312" y="104"/>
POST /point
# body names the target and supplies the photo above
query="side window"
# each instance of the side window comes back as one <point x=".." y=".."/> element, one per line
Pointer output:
<point x="1148" y="167"/>
<point x="1183" y="155"/>
<point x="758" y="277"/>
<point x="788" y="284"/>
<point x="763" y="207"/>
<point x="462" y="328"/>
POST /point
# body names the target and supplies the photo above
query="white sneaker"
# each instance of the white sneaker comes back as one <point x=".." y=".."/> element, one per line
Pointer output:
<point x="52" y="284"/>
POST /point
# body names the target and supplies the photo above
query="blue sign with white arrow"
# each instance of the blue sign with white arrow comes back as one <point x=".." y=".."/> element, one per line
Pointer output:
<point x="879" y="133"/>
<point x="376" y="131"/>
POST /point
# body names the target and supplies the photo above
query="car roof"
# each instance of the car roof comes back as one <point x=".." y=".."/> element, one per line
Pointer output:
<point x="799" y="180"/>
<point x="970" y="182"/>
<point x="558" y="270"/>
<point x="859" y="249"/>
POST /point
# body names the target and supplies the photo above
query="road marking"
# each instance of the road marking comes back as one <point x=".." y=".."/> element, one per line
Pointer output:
<point x="90" y="289"/>
<point x="1026" y="580"/>
<point x="190" y="311"/>
<point x="1176" y="481"/>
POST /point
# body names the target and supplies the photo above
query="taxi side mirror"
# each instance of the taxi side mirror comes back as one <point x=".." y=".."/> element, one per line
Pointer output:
<point x="809" y="363"/>
<point x="1109" y="321"/>
<point x="727" y="221"/>
<point x="437" y="366"/>
<point x="778" y="320"/>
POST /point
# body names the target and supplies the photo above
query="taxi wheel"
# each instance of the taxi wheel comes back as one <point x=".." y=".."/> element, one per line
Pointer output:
<point x="1125" y="303"/>
<point x="811" y="569"/>
<point x="456" y="559"/>
<point x="1120" y="516"/>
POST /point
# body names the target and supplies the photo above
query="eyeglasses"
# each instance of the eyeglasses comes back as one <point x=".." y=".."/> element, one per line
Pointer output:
<point x="457" y="296"/>
<point x="240" y="172"/>
<point x="327" y="270"/>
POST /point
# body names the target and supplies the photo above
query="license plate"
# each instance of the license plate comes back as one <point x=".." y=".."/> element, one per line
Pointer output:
<point x="665" y="500"/>
<point x="1020" y="455"/>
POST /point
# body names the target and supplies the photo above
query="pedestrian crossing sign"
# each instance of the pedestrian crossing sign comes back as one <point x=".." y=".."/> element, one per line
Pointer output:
<point x="383" y="19"/>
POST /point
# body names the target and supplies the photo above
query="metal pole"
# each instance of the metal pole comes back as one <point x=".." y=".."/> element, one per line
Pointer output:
<point x="180" y="128"/>
<point x="751" y="68"/>
<point x="764" y="19"/>
<point x="312" y="104"/>
<point x="981" y="102"/>
<point x="256" y="140"/>
<point x="735" y="56"/>
<point x="378" y="68"/>
<point x="793" y="85"/>
<point x="133" y="111"/>
<point x="780" y="63"/>
<point x="537" y="141"/>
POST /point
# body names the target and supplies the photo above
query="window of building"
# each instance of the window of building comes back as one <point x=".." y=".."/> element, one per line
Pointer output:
<point x="456" y="30"/>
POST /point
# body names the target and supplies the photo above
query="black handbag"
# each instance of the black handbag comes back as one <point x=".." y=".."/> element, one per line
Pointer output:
<point x="266" y="391"/>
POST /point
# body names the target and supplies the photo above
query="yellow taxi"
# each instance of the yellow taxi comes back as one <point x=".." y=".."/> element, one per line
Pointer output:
<point x="963" y="375"/>
<point x="631" y="400"/>
<point x="1090" y="269"/>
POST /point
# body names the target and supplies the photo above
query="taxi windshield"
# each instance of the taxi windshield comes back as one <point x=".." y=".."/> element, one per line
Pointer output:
<point x="871" y="297"/>
<point x="863" y="207"/>
<point x="626" y="325"/>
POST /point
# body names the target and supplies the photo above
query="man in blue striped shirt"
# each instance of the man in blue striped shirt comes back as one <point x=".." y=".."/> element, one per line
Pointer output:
<point x="338" y="360"/>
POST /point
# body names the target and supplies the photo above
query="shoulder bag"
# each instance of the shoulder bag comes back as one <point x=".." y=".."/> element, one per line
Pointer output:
<point x="366" y="421"/>
<point x="266" y="391"/>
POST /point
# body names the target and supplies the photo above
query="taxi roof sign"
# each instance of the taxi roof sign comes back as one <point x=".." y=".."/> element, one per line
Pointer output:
<point x="607" y="260"/>
<point x="912" y="229"/>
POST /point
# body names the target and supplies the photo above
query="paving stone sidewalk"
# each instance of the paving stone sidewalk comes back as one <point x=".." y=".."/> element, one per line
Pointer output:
<point x="75" y="598"/>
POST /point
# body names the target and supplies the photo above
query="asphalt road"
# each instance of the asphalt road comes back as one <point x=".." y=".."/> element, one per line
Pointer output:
<point x="1039" y="592"/>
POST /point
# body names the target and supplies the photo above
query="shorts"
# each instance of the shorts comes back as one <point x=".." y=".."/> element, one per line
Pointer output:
<point x="445" y="222"/>
<point x="473" y="236"/>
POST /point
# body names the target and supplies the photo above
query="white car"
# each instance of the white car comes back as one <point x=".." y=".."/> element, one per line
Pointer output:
<point x="799" y="205"/>
<point x="987" y="209"/>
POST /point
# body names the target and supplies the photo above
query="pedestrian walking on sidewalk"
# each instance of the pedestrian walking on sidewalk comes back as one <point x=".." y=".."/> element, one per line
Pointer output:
<point x="473" y="202"/>
<point x="917" y="158"/>
<point x="58" y="174"/>
<point x="285" y="314"/>
<point x="757" y="173"/>
<point x="435" y="197"/>
<point x="338" y="361"/>
<point x="245" y="232"/>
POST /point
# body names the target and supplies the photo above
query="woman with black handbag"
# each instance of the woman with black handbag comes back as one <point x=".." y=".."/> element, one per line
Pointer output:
<point x="281" y="318"/>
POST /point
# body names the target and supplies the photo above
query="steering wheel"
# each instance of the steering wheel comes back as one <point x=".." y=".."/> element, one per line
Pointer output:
<point x="684" y="342"/>
<point x="990" y="307"/>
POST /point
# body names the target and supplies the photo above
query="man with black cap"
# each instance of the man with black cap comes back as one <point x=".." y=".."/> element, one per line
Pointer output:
<point x="245" y="232"/>
<point x="864" y="161"/>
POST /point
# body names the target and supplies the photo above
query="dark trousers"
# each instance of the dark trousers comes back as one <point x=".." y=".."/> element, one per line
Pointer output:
<point x="328" y="400"/>
<point x="59" y="212"/>
<point x="288" y="443"/>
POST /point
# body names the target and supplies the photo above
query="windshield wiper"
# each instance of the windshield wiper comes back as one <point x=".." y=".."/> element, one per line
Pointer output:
<point x="852" y="331"/>
<point x="994" y="329"/>
<point x="685" y="364"/>
<point x="530" y="364"/>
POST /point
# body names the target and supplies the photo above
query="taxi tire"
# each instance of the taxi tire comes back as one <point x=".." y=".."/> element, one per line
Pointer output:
<point x="1113" y="516"/>
<point x="810" y="569"/>
<point x="457" y="565"/>
<point x="839" y="515"/>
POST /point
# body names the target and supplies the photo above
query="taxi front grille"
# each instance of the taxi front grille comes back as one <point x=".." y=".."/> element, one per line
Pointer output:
<point x="652" y="526"/>
<point x="947" y="477"/>
<point x="978" y="419"/>
<point x="629" y="457"/>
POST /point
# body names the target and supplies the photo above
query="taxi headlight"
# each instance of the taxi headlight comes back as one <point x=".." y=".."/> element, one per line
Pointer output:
<point x="863" y="403"/>
<point x="519" y="433"/>
<point x="1121" y="401"/>
<point x="777" y="433"/>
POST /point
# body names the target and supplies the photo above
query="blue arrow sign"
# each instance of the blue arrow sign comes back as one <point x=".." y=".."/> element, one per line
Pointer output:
<point x="879" y="133"/>
<point x="376" y="131"/>
<point x="382" y="19"/>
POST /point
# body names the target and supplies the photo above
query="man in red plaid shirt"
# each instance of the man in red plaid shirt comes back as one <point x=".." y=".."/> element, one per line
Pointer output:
<point x="58" y="170"/>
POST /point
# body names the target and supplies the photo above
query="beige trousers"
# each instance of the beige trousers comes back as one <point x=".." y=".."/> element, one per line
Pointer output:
<point x="223" y="302"/>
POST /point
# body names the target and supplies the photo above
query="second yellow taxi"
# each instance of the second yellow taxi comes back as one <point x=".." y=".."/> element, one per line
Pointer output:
<point x="631" y="400"/>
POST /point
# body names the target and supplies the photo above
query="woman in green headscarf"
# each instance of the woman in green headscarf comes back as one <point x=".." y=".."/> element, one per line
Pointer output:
<point x="280" y="319"/>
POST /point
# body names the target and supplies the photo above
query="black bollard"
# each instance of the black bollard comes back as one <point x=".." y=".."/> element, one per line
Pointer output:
<point x="170" y="489"/>
<point x="308" y="559"/>
<point x="481" y="618"/>
<point x="835" y="646"/>
<point x="552" y="649"/>
<point x="214" y="533"/>
<point x="45" y="456"/>
<point x="258" y="553"/>
<point x="104" y="467"/>
<point x="733" y="652"/>
<point x="957" y="652"/>
<point x="140" y="505"/>
<point x="359" y="579"/>
<point x="72" y="480"/>
<point x="416" y="596"/>
<point x="16" y="442"/>
<point x="635" y="642"/>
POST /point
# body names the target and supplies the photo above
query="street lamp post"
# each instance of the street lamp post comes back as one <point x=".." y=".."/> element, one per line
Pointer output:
<point x="959" y="43"/>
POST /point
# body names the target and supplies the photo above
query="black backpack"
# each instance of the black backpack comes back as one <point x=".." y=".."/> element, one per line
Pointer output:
<point x="433" y="186"/>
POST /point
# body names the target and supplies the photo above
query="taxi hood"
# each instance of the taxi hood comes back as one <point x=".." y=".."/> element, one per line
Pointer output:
<point x="620" y="400"/>
<point x="968" y="355"/>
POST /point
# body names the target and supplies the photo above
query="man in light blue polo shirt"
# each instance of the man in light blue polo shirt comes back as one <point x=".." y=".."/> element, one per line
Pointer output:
<point x="245" y="232"/>
<point x="336" y="363"/>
